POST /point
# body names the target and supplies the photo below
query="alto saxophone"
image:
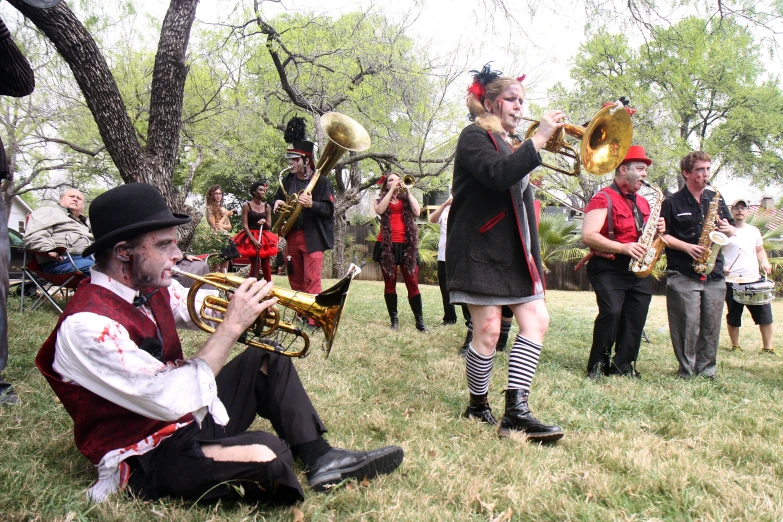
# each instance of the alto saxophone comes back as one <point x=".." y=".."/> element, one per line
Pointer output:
<point x="652" y="242"/>
<point x="710" y="239"/>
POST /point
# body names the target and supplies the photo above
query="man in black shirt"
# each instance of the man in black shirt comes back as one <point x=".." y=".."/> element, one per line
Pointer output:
<point x="694" y="301"/>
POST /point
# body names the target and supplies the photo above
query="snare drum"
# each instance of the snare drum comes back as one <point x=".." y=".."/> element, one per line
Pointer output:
<point x="760" y="292"/>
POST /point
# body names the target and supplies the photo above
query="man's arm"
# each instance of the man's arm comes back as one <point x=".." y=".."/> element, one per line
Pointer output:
<point x="39" y="229"/>
<point x="591" y="236"/>
<point x="322" y="203"/>
<point x="98" y="354"/>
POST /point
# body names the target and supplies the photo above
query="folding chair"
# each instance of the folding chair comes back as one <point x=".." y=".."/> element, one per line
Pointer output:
<point x="48" y="284"/>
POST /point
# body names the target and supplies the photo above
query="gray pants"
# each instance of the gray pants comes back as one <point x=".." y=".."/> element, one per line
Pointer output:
<point x="695" y="308"/>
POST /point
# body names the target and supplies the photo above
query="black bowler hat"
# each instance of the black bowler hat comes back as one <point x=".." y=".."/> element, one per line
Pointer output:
<point x="127" y="211"/>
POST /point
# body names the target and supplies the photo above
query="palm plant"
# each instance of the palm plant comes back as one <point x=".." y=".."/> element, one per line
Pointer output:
<point x="559" y="240"/>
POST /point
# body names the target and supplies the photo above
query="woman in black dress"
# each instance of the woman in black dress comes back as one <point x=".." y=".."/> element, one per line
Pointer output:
<point x="256" y="216"/>
<point x="492" y="252"/>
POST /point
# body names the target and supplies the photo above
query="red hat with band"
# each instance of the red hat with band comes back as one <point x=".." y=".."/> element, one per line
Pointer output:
<point x="636" y="153"/>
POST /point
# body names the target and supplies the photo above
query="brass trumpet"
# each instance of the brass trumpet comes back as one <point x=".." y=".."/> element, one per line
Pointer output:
<point x="406" y="184"/>
<point x="325" y="309"/>
<point x="605" y="142"/>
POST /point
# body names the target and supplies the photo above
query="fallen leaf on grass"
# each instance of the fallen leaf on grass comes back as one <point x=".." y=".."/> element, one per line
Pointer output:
<point x="487" y="507"/>
<point x="432" y="453"/>
<point x="504" y="516"/>
<point x="298" y="515"/>
<point x="365" y="482"/>
<point x="349" y="486"/>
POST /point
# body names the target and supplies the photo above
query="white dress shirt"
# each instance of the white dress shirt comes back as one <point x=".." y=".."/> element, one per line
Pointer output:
<point x="97" y="353"/>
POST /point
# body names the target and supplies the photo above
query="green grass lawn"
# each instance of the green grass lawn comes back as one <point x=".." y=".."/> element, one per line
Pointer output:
<point x="659" y="448"/>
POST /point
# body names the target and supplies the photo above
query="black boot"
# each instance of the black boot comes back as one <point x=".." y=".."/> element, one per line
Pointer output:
<point x="479" y="409"/>
<point x="502" y="342"/>
<point x="463" y="351"/>
<point x="391" y="306"/>
<point x="416" y="307"/>
<point x="519" y="418"/>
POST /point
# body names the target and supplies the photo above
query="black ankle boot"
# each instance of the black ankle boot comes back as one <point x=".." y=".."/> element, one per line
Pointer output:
<point x="502" y="342"/>
<point x="418" y="314"/>
<point x="479" y="409"/>
<point x="463" y="351"/>
<point x="391" y="306"/>
<point x="518" y="418"/>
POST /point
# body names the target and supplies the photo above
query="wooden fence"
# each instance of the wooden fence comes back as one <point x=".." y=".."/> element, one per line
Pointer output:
<point x="561" y="277"/>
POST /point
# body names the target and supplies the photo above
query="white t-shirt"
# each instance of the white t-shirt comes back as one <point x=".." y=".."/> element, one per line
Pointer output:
<point x="740" y="258"/>
<point x="444" y="217"/>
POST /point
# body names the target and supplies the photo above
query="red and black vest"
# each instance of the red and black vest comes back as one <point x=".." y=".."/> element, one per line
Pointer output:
<point x="100" y="426"/>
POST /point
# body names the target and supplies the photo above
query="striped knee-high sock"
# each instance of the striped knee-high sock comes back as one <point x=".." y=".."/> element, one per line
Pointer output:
<point x="522" y="363"/>
<point x="505" y="327"/>
<point x="478" y="370"/>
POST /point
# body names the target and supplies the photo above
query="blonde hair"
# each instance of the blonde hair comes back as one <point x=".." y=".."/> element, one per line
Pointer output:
<point x="478" y="114"/>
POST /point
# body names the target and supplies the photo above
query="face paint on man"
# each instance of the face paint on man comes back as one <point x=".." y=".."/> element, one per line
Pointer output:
<point x="152" y="257"/>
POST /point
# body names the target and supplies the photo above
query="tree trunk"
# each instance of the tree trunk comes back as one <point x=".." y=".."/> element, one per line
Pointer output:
<point x="338" y="253"/>
<point x="154" y="164"/>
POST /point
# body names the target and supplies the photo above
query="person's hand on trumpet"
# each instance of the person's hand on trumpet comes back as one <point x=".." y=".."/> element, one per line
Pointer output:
<point x="551" y="122"/>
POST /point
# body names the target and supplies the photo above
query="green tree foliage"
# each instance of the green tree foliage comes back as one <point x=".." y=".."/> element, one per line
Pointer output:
<point x="697" y="84"/>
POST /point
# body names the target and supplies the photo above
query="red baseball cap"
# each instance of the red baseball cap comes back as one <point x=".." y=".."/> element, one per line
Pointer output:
<point x="636" y="153"/>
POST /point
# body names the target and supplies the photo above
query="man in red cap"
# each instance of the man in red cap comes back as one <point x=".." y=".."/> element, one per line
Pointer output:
<point x="614" y="221"/>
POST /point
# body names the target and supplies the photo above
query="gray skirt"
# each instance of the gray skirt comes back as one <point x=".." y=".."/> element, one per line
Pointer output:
<point x="460" y="297"/>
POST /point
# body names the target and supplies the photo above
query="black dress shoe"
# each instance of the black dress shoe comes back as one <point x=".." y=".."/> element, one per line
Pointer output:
<point x="596" y="372"/>
<point x="340" y="464"/>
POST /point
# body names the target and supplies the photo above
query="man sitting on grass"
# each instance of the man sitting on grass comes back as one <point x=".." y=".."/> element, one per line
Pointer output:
<point x="162" y="424"/>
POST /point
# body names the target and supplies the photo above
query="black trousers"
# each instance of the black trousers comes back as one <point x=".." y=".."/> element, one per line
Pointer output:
<point x="179" y="468"/>
<point x="5" y="255"/>
<point x="623" y="300"/>
<point x="449" y="311"/>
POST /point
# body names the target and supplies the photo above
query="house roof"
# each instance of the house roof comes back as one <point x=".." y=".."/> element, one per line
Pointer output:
<point x="774" y="215"/>
<point x="22" y="202"/>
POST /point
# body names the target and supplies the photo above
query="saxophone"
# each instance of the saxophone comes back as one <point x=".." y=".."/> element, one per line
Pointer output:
<point x="650" y="240"/>
<point x="710" y="239"/>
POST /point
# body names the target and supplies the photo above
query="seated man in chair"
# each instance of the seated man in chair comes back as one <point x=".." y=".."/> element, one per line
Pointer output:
<point x="166" y="425"/>
<point x="64" y="227"/>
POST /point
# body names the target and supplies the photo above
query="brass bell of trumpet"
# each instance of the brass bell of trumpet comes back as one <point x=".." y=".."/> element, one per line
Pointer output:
<point x="325" y="309"/>
<point x="605" y="142"/>
<point x="406" y="184"/>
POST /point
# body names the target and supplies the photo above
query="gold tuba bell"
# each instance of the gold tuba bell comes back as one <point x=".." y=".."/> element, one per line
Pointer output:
<point x="342" y="134"/>
<point x="605" y="142"/>
<point x="325" y="309"/>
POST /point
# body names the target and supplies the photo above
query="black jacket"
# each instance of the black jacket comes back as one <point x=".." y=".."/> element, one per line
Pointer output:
<point x="318" y="221"/>
<point x="684" y="220"/>
<point x="484" y="247"/>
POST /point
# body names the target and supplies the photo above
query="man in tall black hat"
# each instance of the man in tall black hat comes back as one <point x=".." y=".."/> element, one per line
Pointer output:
<point x="163" y="424"/>
<point x="313" y="232"/>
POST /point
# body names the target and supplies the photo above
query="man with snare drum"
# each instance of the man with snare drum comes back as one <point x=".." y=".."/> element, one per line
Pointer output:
<point x="742" y="257"/>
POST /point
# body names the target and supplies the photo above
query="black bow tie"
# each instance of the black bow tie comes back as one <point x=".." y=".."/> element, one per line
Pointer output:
<point x="143" y="299"/>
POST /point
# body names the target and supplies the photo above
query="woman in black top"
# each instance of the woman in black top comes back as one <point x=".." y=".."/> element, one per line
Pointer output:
<point x="492" y="252"/>
<point x="257" y="216"/>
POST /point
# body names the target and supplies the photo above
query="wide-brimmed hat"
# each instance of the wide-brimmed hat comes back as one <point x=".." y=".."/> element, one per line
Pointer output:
<point x="128" y="211"/>
<point x="636" y="153"/>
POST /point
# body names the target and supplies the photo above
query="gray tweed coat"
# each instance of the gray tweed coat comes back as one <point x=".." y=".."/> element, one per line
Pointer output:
<point x="485" y="242"/>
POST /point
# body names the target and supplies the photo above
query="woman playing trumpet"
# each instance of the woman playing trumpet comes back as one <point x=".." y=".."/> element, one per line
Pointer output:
<point x="398" y="245"/>
<point x="492" y="252"/>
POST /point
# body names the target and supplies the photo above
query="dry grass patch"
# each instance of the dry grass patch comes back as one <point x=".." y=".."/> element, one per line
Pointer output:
<point x="655" y="449"/>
